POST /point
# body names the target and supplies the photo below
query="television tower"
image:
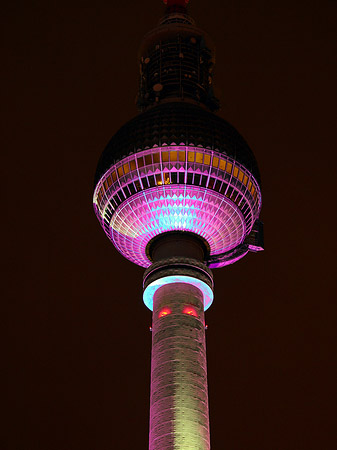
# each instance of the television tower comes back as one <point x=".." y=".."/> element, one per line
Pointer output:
<point x="177" y="191"/>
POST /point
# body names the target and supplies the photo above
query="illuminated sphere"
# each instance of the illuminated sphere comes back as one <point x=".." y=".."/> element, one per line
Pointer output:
<point x="177" y="167"/>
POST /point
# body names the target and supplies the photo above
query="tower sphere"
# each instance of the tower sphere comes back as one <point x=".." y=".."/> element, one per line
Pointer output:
<point x="177" y="166"/>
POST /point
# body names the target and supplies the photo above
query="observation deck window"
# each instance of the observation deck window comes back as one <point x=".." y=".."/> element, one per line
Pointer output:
<point x="152" y="181"/>
<point x="197" y="177"/>
<point x="148" y="160"/>
<point x="190" y="156"/>
<point x="114" y="176"/>
<point x="217" y="185"/>
<point x="215" y="162"/>
<point x="120" y="171"/>
<point x="140" y="162"/>
<point x="236" y="171"/>
<point x="165" y="156"/>
<point x="207" y="159"/>
<point x="199" y="157"/>
<point x="229" y="167"/>
<point x="174" y="177"/>
<point x="240" y="176"/>
<point x="211" y="183"/>
<point x="222" y="165"/>
<point x="133" y="164"/>
<point x="126" y="168"/>
<point x="173" y="155"/>
<point x="156" y="158"/>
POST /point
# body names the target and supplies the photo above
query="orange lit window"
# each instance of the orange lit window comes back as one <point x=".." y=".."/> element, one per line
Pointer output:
<point x="190" y="311"/>
<point x="182" y="156"/>
<point x="166" y="178"/>
<point x="140" y="162"/>
<point x="190" y="156"/>
<point x="240" y="175"/>
<point x="165" y="156"/>
<point x="164" y="312"/>
<point x="133" y="164"/>
<point x="158" y="179"/>
<point x="109" y="181"/>
<point x="148" y="159"/>
<point x="253" y="190"/>
<point x="173" y="156"/>
<point x="215" y="161"/>
<point x="229" y="167"/>
<point x="126" y="168"/>
<point x="222" y="164"/>
<point x="207" y="159"/>
<point x="156" y="158"/>
<point x="245" y="180"/>
<point x="236" y="171"/>
<point x="198" y="157"/>
<point x="120" y="171"/>
<point x="249" y="185"/>
<point x="106" y="185"/>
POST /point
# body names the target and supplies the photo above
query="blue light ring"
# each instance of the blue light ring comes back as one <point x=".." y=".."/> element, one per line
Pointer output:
<point x="151" y="289"/>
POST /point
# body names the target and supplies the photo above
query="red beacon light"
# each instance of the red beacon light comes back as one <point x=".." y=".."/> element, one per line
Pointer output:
<point x="164" y="312"/>
<point x="190" y="311"/>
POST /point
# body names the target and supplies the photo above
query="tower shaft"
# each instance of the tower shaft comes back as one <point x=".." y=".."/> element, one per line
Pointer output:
<point x="179" y="400"/>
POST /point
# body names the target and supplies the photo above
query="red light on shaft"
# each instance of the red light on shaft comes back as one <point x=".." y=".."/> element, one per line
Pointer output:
<point x="164" y="312"/>
<point x="190" y="311"/>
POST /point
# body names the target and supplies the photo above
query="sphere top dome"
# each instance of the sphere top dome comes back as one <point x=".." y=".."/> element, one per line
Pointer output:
<point x="183" y="124"/>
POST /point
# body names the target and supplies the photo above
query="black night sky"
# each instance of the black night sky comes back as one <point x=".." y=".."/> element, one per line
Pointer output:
<point x="79" y="340"/>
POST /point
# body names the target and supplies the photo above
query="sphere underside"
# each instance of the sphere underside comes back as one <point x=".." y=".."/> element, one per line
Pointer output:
<point x="176" y="188"/>
<point x="170" y="208"/>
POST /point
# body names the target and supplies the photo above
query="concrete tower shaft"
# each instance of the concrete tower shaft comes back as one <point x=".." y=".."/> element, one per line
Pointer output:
<point x="179" y="399"/>
<point x="180" y="288"/>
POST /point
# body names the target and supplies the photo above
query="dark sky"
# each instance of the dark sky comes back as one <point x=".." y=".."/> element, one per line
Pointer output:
<point x="79" y="340"/>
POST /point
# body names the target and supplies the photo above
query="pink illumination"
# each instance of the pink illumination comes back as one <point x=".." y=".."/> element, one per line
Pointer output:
<point x="176" y="188"/>
<point x="164" y="312"/>
<point x="190" y="311"/>
<point x="167" y="208"/>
